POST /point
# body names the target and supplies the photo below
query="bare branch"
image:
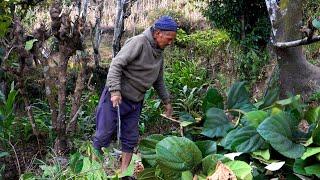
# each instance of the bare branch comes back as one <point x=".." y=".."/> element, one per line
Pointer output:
<point x="8" y="53"/>
<point x="299" y="42"/>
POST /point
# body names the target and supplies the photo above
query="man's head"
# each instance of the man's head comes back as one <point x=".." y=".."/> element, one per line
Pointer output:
<point x="164" y="31"/>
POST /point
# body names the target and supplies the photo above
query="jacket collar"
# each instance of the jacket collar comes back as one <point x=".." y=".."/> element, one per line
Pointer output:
<point x="148" y="34"/>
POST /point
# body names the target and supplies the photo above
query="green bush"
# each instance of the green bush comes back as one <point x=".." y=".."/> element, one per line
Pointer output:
<point x="263" y="133"/>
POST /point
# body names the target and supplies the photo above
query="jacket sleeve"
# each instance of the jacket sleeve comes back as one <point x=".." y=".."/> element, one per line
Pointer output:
<point x="160" y="87"/>
<point x="130" y="51"/>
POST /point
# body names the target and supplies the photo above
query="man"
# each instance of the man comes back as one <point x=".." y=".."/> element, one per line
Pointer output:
<point x="137" y="67"/>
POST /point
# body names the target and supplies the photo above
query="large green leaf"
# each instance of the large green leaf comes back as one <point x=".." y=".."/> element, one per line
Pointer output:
<point x="238" y="98"/>
<point x="313" y="170"/>
<point x="313" y="115"/>
<point x="147" y="174"/>
<point x="306" y="167"/>
<point x="278" y="131"/>
<point x="244" y="139"/>
<point x="212" y="99"/>
<point x="147" y="147"/>
<point x="186" y="175"/>
<point x="299" y="165"/>
<point x="264" y="154"/>
<point x="254" y="118"/>
<point x="310" y="152"/>
<point x="316" y="134"/>
<point x="241" y="169"/>
<point x="76" y="162"/>
<point x="178" y="153"/>
<point x="271" y="96"/>
<point x="209" y="163"/>
<point x="10" y="100"/>
<point x="168" y="173"/>
<point x="186" y="119"/>
<point x="207" y="147"/>
<point x="216" y="123"/>
<point x="316" y="23"/>
<point x="288" y="101"/>
<point x="92" y="170"/>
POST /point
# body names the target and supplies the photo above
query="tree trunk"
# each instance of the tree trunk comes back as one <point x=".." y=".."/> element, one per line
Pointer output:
<point x="118" y="28"/>
<point x="96" y="33"/>
<point x="61" y="143"/>
<point x="123" y="12"/>
<point x="297" y="75"/>
<point x="76" y="99"/>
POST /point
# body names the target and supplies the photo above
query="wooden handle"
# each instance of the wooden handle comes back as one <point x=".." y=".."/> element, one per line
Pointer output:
<point x="171" y="119"/>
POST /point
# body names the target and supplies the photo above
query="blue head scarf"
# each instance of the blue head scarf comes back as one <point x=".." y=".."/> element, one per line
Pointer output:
<point x="166" y="23"/>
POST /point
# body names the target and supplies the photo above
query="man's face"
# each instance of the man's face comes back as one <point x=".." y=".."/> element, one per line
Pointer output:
<point x="164" y="38"/>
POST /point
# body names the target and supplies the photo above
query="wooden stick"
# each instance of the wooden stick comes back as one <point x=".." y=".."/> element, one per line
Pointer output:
<point x="171" y="119"/>
<point x="174" y="120"/>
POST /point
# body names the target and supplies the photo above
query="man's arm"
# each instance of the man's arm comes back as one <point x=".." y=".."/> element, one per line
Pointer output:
<point x="128" y="52"/>
<point x="160" y="88"/>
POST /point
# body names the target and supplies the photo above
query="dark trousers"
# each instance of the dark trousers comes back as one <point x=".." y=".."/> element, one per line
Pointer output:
<point x="107" y="122"/>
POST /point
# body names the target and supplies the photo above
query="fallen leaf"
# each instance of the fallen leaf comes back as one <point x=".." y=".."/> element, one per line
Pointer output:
<point x="222" y="172"/>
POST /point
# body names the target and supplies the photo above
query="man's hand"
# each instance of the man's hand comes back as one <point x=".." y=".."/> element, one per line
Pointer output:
<point x="116" y="100"/>
<point x="168" y="110"/>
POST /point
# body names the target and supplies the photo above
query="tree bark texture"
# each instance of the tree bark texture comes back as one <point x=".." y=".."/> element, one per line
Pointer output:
<point x="70" y="37"/>
<point x="297" y="75"/>
<point x="96" y="35"/>
<point x="76" y="99"/>
<point x="123" y="11"/>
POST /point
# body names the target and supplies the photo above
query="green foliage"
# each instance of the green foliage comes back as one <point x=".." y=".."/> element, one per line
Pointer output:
<point x="207" y="147"/>
<point x="230" y="14"/>
<point x="178" y="153"/>
<point x="184" y="72"/>
<point x="315" y="97"/>
<point x="244" y="139"/>
<point x="250" y="62"/>
<point x="238" y="98"/>
<point x="5" y="17"/>
<point x="311" y="9"/>
<point x="278" y="131"/>
<point x="29" y="44"/>
<point x="241" y="169"/>
<point x="216" y="124"/>
<point x="212" y="99"/>
<point x="80" y="165"/>
<point x="151" y="109"/>
<point x="254" y="118"/>
<point x="7" y="114"/>
<point x="249" y="26"/>
<point x="188" y="100"/>
<point x="254" y="133"/>
<point x="186" y="79"/>
<point x="209" y="162"/>
<point x="205" y="43"/>
<point x="177" y="15"/>
<point x="147" y="147"/>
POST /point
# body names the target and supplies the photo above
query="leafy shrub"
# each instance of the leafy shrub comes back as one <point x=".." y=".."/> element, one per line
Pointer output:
<point x="177" y="15"/>
<point x="204" y="43"/>
<point x="249" y="64"/>
<point x="254" y="129"/>
<point x="7" y="116"/>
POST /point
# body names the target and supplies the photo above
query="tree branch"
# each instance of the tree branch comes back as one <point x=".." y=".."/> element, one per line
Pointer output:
<point x="299" y="42"/>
